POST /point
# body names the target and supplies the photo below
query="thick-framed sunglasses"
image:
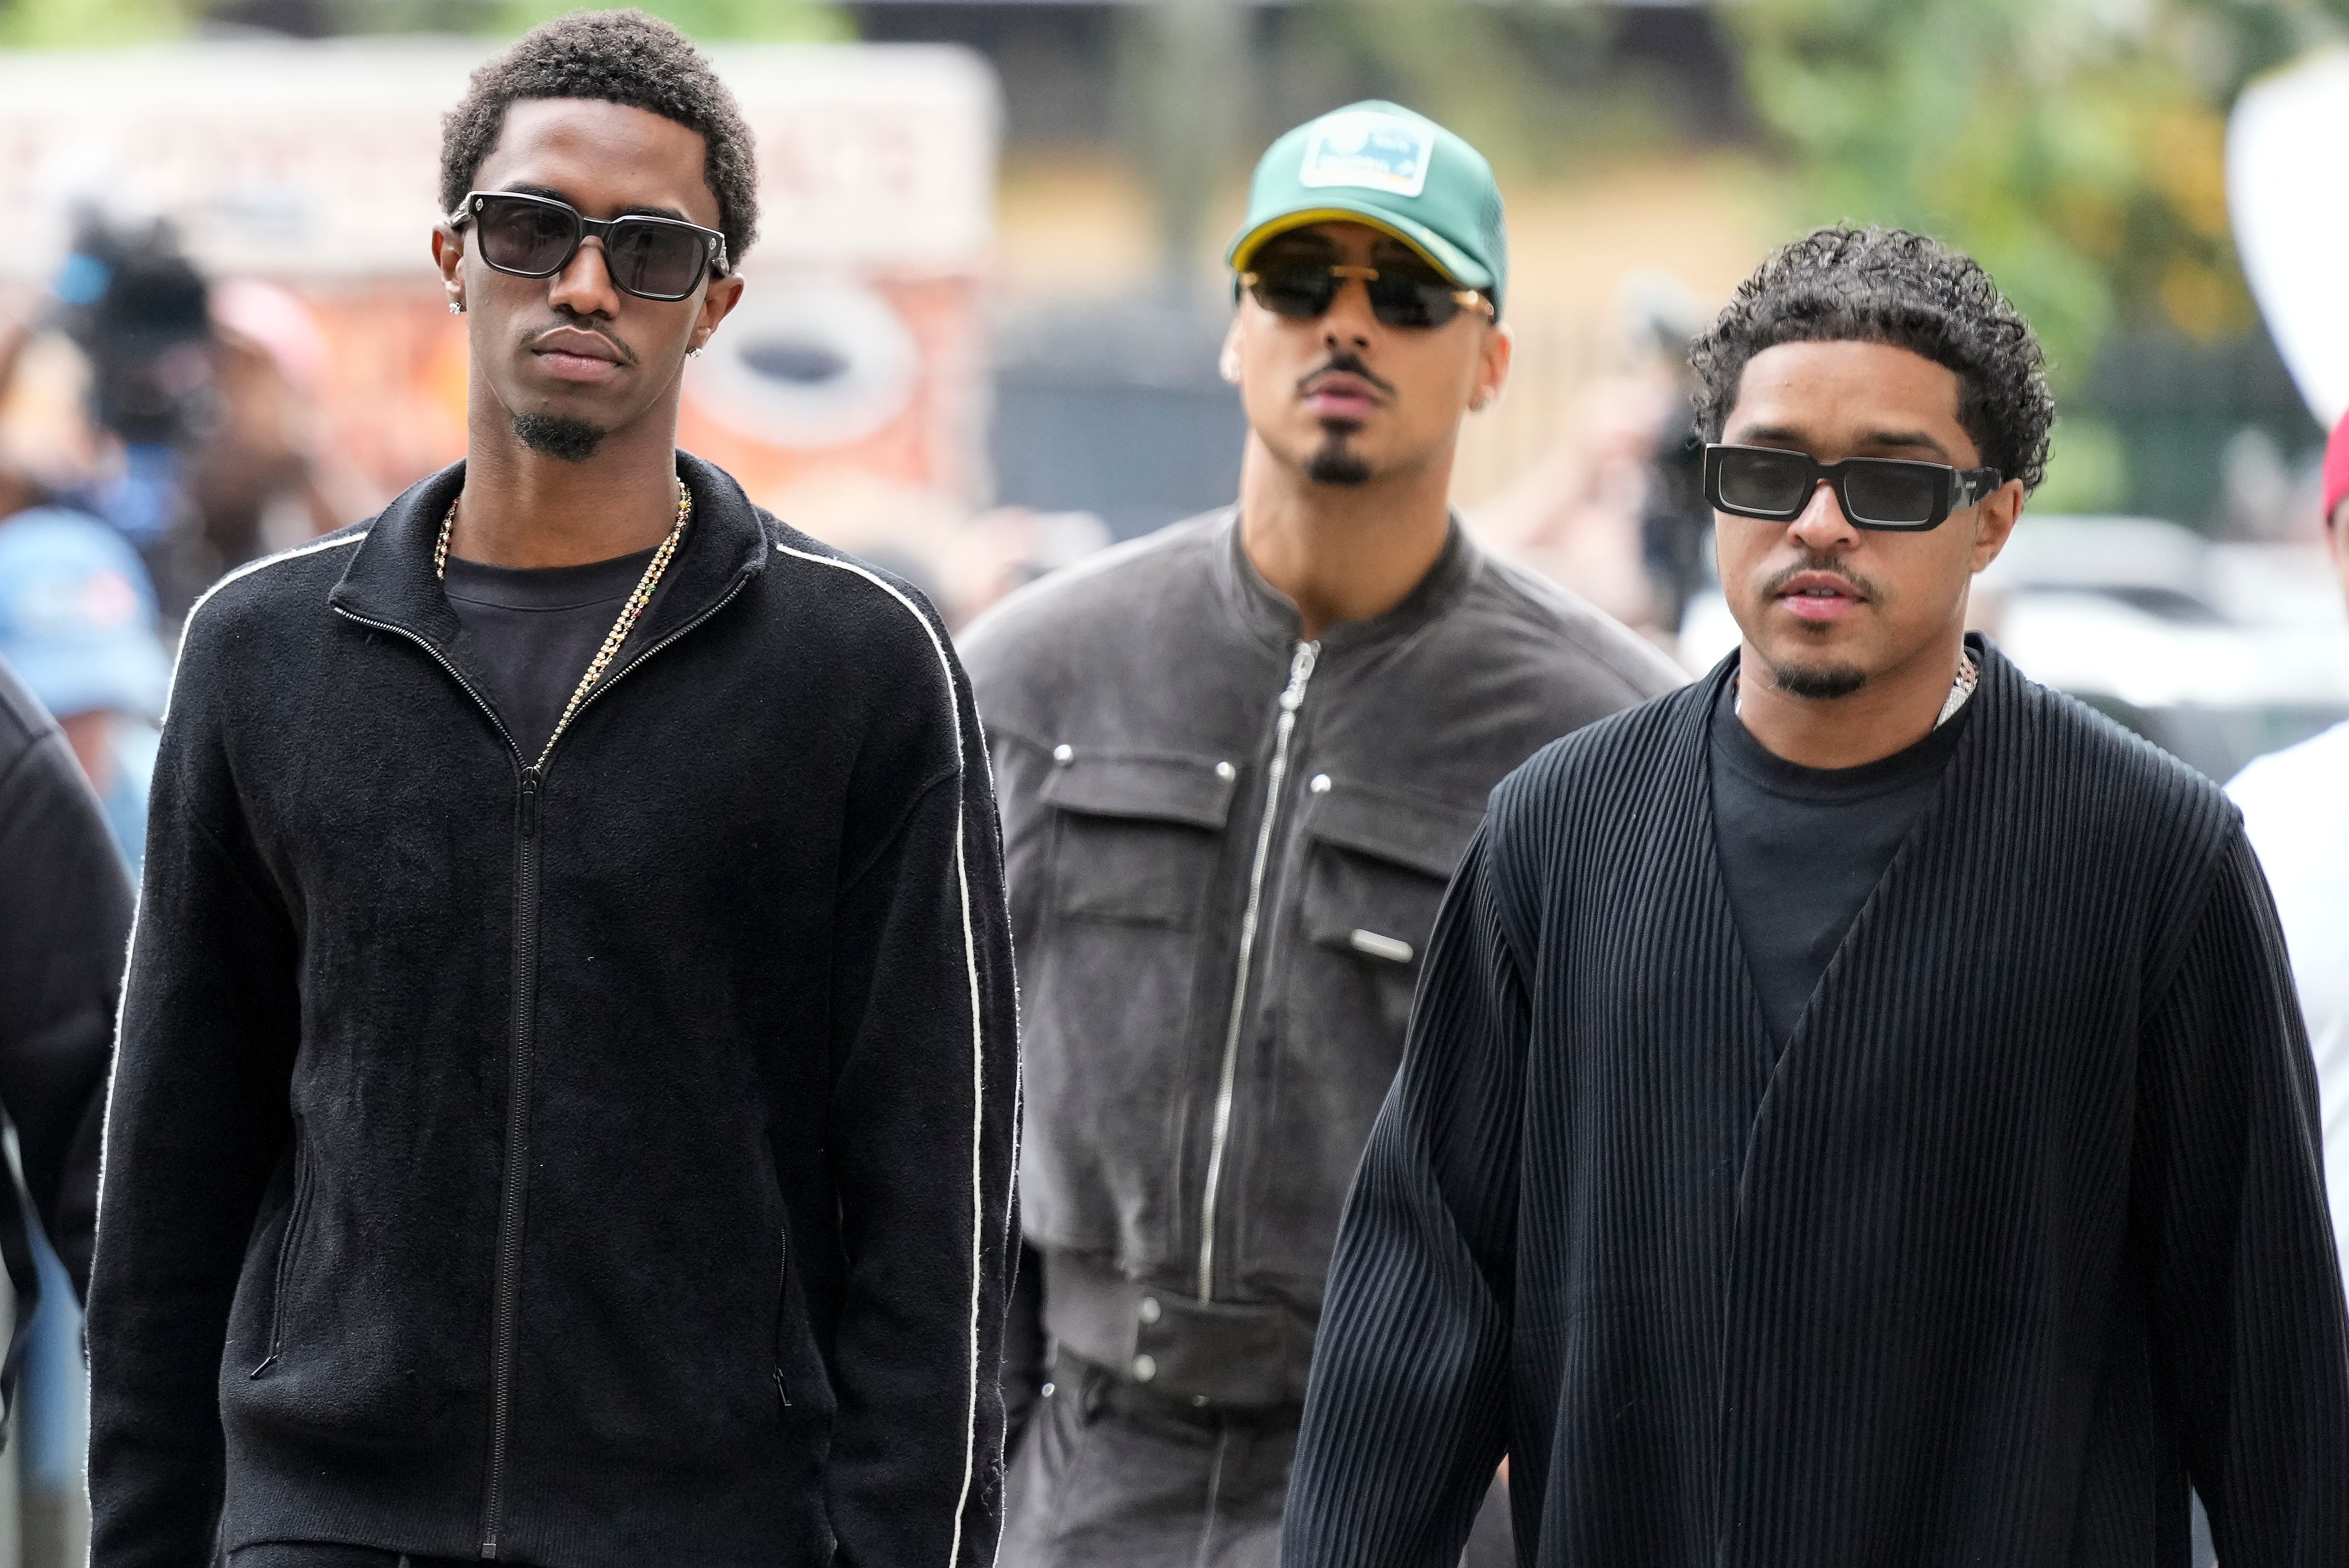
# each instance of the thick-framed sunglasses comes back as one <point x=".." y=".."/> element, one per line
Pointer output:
<point x="1304" y="290"/>
<point x="536" y="237"/>
<point x="1775" y="484"/>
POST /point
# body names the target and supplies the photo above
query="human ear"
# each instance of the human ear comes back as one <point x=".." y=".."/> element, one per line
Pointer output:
<point x="1493" y="355"/>
<point x="718" y="302"/>
<point x="449" y="255"/>
<point x="1994" y="520"/>
<point x="1228" y="363"/>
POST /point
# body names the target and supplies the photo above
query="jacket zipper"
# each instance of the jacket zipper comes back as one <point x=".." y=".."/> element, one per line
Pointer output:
<point x="1292" y="697"/>
<point x="515" y="1183"/>
<point x="515" y="1186"/>
<point x="287" y="1246"/>
<point x="783" y="1309"/>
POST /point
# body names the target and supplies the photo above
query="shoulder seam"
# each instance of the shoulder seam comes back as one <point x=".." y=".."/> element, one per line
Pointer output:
<point x="188" y="624"/>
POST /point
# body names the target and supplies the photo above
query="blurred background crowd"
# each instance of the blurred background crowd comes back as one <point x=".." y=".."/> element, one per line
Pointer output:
<point x="979" y="340"/>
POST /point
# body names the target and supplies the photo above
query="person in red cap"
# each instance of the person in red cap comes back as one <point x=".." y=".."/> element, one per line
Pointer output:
<point x="2293" y="806"/>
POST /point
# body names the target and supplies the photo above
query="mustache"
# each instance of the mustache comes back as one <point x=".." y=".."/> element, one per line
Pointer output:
<point x="1832" y="566"/>
<point x="1345" y="361"/>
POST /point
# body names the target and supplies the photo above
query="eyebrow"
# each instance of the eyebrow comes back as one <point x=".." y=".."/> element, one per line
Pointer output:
<point x="550" y="193"/>
<point x="1786" y="435"/>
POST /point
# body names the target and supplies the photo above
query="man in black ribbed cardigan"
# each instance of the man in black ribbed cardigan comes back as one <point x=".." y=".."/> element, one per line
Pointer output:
<point x="1854" y="1112"/>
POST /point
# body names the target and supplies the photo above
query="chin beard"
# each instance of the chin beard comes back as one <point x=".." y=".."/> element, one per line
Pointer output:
<point x="1821" y="683"/>
<point x="1334" y="463"/>
<point x="557" y="436"/>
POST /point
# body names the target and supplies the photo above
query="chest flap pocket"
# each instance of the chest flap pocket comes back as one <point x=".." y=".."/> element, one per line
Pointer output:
<point x="1137" y="834"/>
<point x="1377" y="869"/>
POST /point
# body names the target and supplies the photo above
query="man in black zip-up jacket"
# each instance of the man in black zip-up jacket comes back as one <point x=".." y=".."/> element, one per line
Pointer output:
<point x="563" y="1111"/>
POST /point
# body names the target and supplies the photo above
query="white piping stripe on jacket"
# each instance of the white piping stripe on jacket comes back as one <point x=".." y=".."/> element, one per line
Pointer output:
<point x="977" y="1057"/>
<point x="138" y="906"/>
<point x="296" y="553"/>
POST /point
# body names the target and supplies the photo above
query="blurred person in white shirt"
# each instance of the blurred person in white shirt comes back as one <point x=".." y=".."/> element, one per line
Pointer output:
<point x="2295" y="806"/>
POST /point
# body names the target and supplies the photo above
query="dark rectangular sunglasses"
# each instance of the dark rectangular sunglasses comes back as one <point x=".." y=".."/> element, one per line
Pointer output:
<point x="536" y="237"/>
<point x="1775" y="484"/>
<point x="1399" y="296"/>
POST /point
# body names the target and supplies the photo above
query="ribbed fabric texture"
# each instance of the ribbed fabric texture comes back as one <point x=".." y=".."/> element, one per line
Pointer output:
<point x="2024" y="1229"/>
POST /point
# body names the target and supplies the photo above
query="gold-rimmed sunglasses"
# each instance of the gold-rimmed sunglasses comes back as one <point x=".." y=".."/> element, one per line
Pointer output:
<point x="1399" y="296"/>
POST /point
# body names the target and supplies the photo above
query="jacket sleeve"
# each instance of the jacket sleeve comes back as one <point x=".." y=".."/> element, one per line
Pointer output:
<point x="64" y="925"/>
<point x="1020" y="766"/>
<point x="925" y="1104"/>
<point x="1405" y="1417"/>
<point x="2231" y="1198"/>
<point x="199" y="1120"/>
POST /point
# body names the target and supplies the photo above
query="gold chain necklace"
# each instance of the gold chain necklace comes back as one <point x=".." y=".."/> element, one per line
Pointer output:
<point x="620" y="627"/>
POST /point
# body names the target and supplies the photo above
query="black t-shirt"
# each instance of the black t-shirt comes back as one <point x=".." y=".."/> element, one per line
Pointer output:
<point x="533" y="631"/>
<point x="1801" y="849"/>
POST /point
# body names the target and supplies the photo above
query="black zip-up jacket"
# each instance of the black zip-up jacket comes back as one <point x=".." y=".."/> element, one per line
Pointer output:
<point x="65" y="914"/>
<point x="1227" y="846"/>
<point x="594" y="1166"/>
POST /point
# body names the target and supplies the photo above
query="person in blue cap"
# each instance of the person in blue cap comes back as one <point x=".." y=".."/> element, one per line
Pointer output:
<point x="77" y="622"/>
<point x="78" y="625"/>
<point x="1236" y="762"/>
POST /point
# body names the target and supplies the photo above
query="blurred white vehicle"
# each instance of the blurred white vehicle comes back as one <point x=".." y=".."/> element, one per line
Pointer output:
<point x="2218" y="652"/>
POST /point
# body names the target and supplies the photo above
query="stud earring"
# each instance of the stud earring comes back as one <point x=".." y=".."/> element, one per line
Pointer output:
<point x="456" y="307"/>
<point x="694" y="352"/>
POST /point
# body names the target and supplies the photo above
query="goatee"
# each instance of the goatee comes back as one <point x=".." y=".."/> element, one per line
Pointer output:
<point x="1335" y="464"/>
<point x="558" y="436"/>
<point x="1821" y="683"/>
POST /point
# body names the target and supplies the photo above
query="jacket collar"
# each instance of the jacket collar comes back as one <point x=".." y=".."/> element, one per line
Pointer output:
<point x="390" y="580"/>
<point x="1269" y="615"/>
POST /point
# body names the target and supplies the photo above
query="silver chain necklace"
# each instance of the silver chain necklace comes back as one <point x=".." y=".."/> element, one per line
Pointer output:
<point x="620" y="627"/>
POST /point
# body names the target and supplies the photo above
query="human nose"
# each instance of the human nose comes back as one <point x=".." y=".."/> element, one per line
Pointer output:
<point x="1823" y="525"/>
<point x="584" y="286"/>
<point x="1348" y="324"/>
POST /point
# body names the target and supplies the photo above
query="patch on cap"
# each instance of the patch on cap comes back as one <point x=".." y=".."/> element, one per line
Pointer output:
<point x="1377" y="152"/>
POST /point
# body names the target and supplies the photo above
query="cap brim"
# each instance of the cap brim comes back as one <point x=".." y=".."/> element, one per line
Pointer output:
<point x="1438" y="252"/>
<point x="125" y="675"/>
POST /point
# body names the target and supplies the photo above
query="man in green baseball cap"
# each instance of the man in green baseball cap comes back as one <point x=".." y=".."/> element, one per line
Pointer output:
<point x="1235" y="762"/>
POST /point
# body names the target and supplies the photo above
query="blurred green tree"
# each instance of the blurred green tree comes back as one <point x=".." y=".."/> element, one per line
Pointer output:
<point x="90" y="23"/>
<point x="2076" y="147"/>
<point x="709" y="21"/>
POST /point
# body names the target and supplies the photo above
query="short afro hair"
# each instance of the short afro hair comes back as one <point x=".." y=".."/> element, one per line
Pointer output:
<point x="613" y="56"/>
<point x="1887" y="286"/>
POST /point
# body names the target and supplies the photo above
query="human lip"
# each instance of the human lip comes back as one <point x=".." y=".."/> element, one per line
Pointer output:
<point x="1342" y="396"/>
<point x="1819" y="596"/>
<point x="576" y="356"/>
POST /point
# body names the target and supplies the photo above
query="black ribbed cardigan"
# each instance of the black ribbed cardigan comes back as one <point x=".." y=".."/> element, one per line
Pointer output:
<point x="2024" y="1230"/>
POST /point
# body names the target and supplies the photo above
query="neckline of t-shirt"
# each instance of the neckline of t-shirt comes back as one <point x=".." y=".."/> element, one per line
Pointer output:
<point x="1741" y="750"/>
<point x="545" y="588"/>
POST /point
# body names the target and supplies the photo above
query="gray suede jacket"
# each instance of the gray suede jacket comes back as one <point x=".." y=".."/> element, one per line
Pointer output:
<point x="1226" y="848"/>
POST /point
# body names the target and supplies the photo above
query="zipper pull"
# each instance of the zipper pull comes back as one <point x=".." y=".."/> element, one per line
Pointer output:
<point x="530" y="801"/>
<point x="1301" y="670"/>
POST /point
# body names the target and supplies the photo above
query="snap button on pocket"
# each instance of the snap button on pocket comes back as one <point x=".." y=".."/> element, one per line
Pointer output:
<point x="1392" y="948"/>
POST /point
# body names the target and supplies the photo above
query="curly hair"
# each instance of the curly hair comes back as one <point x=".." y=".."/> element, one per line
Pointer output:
<point x="613" y="56"/>
<point x="1842" y="284"/>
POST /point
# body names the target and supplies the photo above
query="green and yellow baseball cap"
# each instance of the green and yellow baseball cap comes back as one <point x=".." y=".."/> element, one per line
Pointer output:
<point x="1377" y="163"/>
